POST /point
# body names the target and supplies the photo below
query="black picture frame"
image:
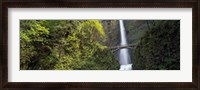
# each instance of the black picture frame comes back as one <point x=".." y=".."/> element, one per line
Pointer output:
<point x="194" y="4"/>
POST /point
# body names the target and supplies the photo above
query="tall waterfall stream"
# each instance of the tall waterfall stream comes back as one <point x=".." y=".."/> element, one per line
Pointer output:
<point x="124" y="55"/>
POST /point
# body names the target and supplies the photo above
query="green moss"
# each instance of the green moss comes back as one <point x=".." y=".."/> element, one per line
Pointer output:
<point x="159" y="48"/>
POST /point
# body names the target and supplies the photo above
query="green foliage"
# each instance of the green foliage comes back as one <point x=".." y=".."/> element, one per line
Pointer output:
<point x="31" y="33"/>
<point x="99" y="61"/>
<point x="159" y="48"/>
<point x="63" y="45"/>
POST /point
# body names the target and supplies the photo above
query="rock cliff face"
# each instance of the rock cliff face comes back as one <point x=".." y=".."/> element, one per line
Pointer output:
<point x="111" y="28"/>
<point x="135" y="29"/>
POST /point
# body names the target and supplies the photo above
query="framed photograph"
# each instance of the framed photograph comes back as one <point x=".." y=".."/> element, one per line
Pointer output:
<point x="100" y="44"/>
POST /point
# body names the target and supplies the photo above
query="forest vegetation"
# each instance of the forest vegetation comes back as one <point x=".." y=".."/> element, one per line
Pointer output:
<point x="84" y="44"/>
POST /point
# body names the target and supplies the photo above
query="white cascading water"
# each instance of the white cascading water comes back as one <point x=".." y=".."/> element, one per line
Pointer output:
<point x="124" y="56"/>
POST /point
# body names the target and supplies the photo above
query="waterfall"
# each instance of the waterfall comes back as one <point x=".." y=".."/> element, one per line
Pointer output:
<point x="124" y="56"/>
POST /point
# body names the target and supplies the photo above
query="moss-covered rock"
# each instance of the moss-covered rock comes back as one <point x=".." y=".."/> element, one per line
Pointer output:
<point x="159" y="48"/>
